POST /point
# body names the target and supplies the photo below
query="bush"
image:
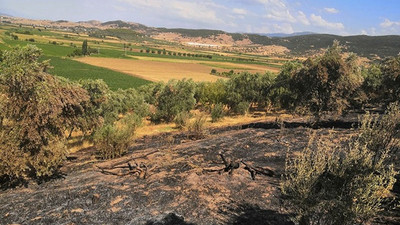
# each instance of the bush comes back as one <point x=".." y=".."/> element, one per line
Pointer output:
<point x="113" y="140"/>
<point x="242" y="108"/>
<point x="331" y="184"/>
<point x="209" y="93"/>
<point x="217" y="112"/>
<point x="247" y="87"/>
<point x="175" y="97"/>
<point x="36" y="110"/>
<point x="328" y="83"/>
<point x="213" y="71"/>
<point x="181" y="120"/>
<point x="391" y="79"/>
<point x="197" y="127"/>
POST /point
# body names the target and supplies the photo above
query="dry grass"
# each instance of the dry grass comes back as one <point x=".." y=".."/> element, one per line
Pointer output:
<point x="154" y="70"/>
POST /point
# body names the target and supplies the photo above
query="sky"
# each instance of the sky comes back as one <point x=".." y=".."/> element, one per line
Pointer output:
<point x="342" y="17"/>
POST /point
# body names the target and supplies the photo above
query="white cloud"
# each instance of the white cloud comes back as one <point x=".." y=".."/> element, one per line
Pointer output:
<point x="364" y="32"/>
<point x="274" y="28"/>
<point x="277" y="10"/>
<point x="239" y="11"/>
<point x="302" y="18"/>
<point x="204" y="12"/>
<point x="388" y="23"/>
<point x="331" y="10"/>
<point x="321" y="22"/>
<point x="283" y="28"/>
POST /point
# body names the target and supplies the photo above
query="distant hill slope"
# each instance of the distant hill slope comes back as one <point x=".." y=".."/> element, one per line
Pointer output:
<point x="366" y="46"/>
<point x="298" y="43"/>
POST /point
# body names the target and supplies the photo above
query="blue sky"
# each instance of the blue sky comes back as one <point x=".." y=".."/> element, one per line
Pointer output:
<point x="344" y="17"/>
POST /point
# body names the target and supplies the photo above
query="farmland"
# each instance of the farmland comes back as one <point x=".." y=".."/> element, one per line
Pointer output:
<point x="123" y="61"/>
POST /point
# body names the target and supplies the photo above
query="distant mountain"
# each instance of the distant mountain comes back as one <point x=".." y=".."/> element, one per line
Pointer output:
<point x="288" y="35"/>
<point x="306" y="42"/>
<point x="5" y="14"/>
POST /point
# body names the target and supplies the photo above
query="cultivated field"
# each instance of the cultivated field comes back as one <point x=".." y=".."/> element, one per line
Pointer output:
<point x="154" y="70"/>
<point x="161" y="69"/>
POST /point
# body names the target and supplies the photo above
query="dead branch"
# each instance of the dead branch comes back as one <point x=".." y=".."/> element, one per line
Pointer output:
<point x="230" y="165"/>
<point x="114" y="165"/>
<point x="258" y="170"/>
<point x="141" y="171"/>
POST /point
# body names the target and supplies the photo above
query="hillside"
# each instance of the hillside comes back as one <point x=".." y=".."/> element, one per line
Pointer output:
<point x="298" y="44"/>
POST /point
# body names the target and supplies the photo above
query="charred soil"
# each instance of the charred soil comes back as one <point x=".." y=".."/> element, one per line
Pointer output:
<point x="183" y="183"/>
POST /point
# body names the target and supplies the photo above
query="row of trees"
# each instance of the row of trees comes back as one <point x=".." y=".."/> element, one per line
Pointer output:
<point x="164" y="52"/>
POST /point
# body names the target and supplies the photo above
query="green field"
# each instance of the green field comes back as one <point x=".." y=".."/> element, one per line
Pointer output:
<point x="74" y="70"/>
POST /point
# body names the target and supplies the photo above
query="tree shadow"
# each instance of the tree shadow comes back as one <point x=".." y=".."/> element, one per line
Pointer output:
<point x="252" y="214"/>
<point x="8" y="183"/>
<point x="169" y="219"/>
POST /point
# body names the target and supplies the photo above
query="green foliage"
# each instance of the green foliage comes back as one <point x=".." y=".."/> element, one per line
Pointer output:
<point x="391" y="78"/>
<point x="250" y="88"/>
<point x="331" y="184"/>
<point x="85" y="48"/>
<point x="151" y="92"/>
<point x="209" y="93"/>
<point x="372" y="85"/>
<point x="380" y="133"/>
<point x="93" y="118"/>
<point x="76" y="52"/>
<point x="121" y="102"/>
<point x="217" y="112"/>
<point x="175" y="97"/>
<point x="124" y="34"/>
<point x="113" y="140"/>
<point x="327" y="83"/>
<point x="281" y="93"/>
<point x="36" y="110"/>
<point x="241" y="108"/>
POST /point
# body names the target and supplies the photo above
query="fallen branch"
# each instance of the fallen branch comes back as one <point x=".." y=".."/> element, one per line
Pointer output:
<point x="258" y="170"/>
<point x="230" y="165"/>
<point x="141" y="171"/>
<point x="114" y="165"/>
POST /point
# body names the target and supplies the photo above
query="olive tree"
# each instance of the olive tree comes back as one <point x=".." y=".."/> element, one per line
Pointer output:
<point x="327" y="83"/>
<point x="37" y="108"/>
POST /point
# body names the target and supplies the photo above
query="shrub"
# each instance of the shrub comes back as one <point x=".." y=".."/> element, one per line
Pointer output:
<point x="37" y="108"/>
<point x="213" y="71"/>
<point x="113" y="140"/>
<point x="391" y="79"/>
<point x="331" y="184"/>
<point x="197" y="127"/>
<point x="217" y="112"/>
<point x="247" y="87"/>
<point x="372" y="85"/>
<point x="209" y="93"/>
<point x="379" y="132"/>
<point x="181" y="120"/>
<point x="328" y="83"/>
<point x="175" y="97"/>
<point x="242" y="108"/>
<point x="281" y="93"/>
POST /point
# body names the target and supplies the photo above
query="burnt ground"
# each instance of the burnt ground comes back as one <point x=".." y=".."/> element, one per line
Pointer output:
<point x="177" y="190"/>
